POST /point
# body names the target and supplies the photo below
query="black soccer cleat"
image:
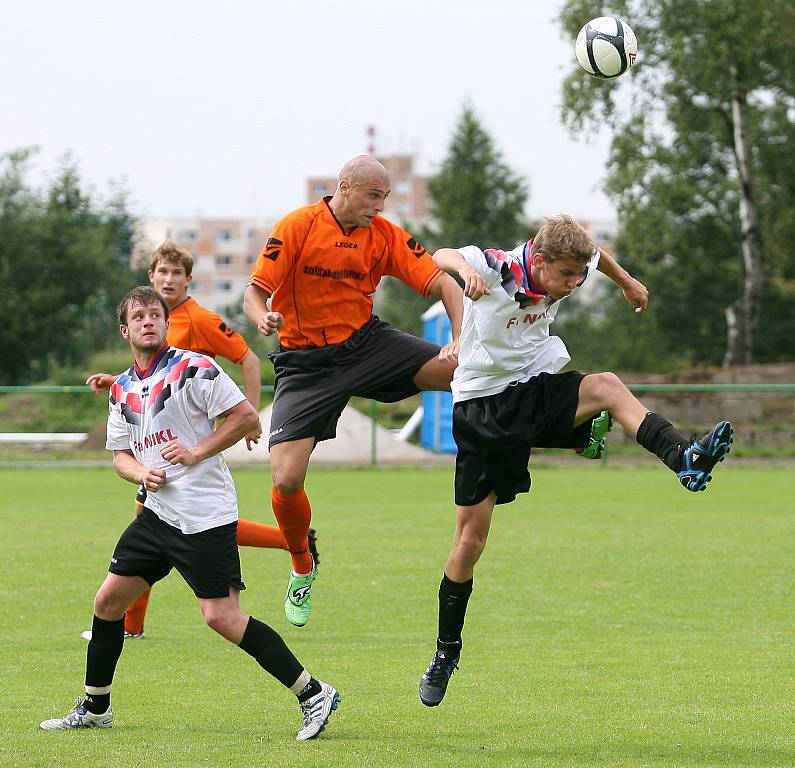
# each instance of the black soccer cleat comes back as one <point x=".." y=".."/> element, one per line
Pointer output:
<point x="702" y="455"/>
<point x="433" y="684"/>
<point x="313" y="546"/>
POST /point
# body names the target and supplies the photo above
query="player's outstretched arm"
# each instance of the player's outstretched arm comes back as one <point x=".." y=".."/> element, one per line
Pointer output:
<point x="451" y="261"/>
<point x="239" y="420"/>
<point x="101" y="382"/>
<point x="129" y="468"/>
<point x="634" y="291"/>
<point x="255" y="305"/>
<point x="252" y="381"/>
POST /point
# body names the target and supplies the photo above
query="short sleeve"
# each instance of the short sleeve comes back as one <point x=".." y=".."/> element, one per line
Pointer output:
<point x="214" y="391"/>
<point x="222" y="340"/>
<point x="409" y="261"/>
<point x="118" y="436"/>
<point x="476" y="259"/>
<point x="279" y="253"/>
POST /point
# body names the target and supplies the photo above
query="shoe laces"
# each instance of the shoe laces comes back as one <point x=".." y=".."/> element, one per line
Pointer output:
<point x="440" y="668"/>
<point x="75" y="712"/>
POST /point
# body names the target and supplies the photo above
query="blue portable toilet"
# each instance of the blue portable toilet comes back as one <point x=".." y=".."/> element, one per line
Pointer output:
<point x="437" y="417"/>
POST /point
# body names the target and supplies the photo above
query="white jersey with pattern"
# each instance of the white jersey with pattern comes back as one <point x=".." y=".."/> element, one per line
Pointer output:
<point x="505" y="335"/>
<point x="177" y="398"/>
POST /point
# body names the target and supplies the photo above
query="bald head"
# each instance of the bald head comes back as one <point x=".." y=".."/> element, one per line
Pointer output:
<point x="361" y="191"/>
<point x="361" y="169"/>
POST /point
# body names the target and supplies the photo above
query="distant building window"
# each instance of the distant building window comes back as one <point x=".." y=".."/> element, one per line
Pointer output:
<point x="402" y="188"/>
<point x="222" y="261"/>
<point x="251" y="259"/>
<point x="321" y="188"/>
<point x="195" y="286"/>
<point x="187" y="235"/>
<point x="223" y="285"/>
<point x="223" y="234"/>
<point x="252" y="234"/>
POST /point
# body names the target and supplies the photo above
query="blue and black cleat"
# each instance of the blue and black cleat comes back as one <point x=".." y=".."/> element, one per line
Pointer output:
<point x="702" y="455"/>
<point x="433" y="684"/>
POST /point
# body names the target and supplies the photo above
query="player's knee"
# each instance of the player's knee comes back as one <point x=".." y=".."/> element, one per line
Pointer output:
<point x="288" y="484"/>
<point x="218" y="621"/>
<point x="604" y="387"/>
<point x="469" y="546"/>
<point x="107" y="606"/>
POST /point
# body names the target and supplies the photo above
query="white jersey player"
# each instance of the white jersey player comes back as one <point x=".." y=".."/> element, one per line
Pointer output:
<point x="178" y="399"/>
<point x="160" y="429"/>
<point x="510" y="396"/>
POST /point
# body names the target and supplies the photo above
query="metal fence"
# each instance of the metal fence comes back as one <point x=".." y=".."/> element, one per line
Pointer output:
<point x="764" y="416"/>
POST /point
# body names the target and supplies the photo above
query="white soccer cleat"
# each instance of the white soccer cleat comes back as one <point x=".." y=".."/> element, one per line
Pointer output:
<point x="86" y="635"/>
<point x="79" y="717"/>
<point x="316" y="712"/>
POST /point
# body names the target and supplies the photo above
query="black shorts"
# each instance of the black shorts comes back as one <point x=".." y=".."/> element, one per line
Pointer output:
<point x="208" y="561"/>
<point x="494" y="434"/>
<point x="313" y="386"/>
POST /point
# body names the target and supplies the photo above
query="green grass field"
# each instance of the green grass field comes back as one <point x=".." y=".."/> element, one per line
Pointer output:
<point x="616" y="621"/>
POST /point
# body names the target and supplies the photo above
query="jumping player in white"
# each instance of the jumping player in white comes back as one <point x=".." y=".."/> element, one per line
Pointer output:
<point x="160" y="429"/>
<point x="509" y="397"/>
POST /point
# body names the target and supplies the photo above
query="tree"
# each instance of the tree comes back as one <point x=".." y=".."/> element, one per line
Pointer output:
<point x="64" y="264"/>
<point x="700" y="128"/>
<point x="475" y="199"/>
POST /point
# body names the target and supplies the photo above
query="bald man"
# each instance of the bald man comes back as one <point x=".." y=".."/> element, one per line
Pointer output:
<point x="313" y="284"/>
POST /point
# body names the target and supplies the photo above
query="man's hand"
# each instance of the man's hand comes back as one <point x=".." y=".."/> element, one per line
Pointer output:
<point x="252" y="438"/>
<point x="100" y="382"/>
<point x="176" y="453"/>
<point x="270" y="323"/>
<point x="636" y="294"/>
<point x="152" y="479"/>
<point x="449" y="352"/>
<point x="474" y="284"/>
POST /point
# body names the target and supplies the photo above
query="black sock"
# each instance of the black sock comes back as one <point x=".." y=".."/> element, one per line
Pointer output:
<point x="312" y="688"/>
<point x="104" y="649"/>
<point x="270" y="652"/>
<point x="97" y="703"/>
<point x="661" y="438"/>
<point x="453" y="599"/>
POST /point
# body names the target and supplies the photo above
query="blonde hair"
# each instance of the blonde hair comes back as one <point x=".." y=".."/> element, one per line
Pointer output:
<point x="172" y="253"/>
<point x="560" y="237"/>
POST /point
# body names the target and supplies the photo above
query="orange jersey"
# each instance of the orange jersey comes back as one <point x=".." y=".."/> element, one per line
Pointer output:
<point x="322" y="279"/>
<point x="191" y="326"/>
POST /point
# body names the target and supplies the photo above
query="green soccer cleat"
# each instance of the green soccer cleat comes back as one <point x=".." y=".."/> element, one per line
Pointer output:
<point x="597" y="443"/>
<point x="298" y="600"/>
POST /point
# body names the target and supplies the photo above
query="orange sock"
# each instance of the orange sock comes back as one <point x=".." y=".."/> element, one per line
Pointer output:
<point x="293" y="514"/>
<point x="136" y="613"/>
<point x="251" y="534"/>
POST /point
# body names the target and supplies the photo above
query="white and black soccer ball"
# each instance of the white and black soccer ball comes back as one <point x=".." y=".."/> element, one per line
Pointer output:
<point x="606" y="47"/>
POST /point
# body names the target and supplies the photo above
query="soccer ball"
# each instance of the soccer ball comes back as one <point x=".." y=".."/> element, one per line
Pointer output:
<point x="606" y="47"/>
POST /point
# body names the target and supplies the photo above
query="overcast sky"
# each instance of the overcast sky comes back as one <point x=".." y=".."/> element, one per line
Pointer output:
<point x="224" y="109"/>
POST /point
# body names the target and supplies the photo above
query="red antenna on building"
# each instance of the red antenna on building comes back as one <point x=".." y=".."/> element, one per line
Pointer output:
<point x="371" y="140"/>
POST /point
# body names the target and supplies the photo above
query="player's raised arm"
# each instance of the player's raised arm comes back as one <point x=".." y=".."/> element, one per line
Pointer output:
<point x="451" y="261"/>
<point x="634" y="291"/>
<point x="101" y="382"/>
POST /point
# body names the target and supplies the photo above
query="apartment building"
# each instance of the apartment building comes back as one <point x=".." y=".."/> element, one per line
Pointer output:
<point x="224" y="251"/>
<point x="408" y="201"/>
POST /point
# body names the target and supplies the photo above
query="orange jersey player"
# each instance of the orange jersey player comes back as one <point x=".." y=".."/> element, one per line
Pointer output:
<point x="313" y="284"/>
<point x="192" y="326"/>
